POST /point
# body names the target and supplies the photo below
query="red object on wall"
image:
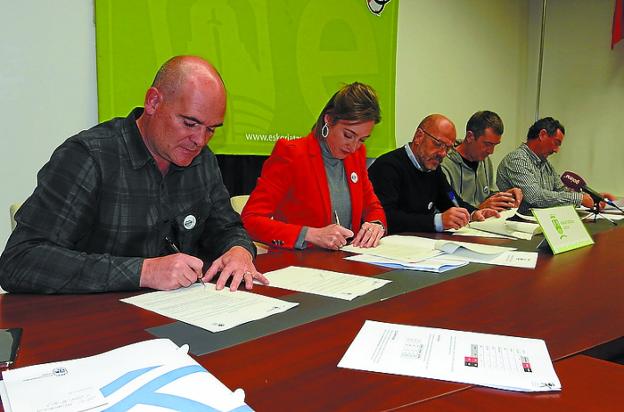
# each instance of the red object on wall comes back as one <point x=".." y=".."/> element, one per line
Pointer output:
<point x="618" y="23"/>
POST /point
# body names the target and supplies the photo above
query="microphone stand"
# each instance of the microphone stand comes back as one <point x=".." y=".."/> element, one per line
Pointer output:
<point x="595" y="212"/>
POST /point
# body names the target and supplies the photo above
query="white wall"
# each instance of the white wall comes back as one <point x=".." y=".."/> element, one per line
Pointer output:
<point x="583" y="87"/>
<point x="456" y="57"/>
<point x="47" y="88"/>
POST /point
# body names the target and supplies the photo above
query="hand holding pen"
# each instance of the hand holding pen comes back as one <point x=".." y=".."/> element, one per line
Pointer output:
<point x="174" y="249"/>
<point x="333" y="236"/>
<point x="171" y="271"/>
<point x="455" y="217"/>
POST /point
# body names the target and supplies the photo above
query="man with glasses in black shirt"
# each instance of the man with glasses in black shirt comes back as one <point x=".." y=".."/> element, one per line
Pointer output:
<point x="412" y="188"/>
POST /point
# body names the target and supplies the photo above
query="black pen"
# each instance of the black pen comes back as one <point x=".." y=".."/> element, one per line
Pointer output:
<point x="174" y="249"/>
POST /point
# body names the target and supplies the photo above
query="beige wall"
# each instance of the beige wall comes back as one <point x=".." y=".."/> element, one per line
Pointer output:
<point x="583" y="87"/>
<point x="47" y="88"/>
<point x="459" y="56"/>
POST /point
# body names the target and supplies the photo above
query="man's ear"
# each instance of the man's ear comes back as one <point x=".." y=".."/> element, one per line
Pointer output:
<point x="418" y="136"/>
<point x="470" y="137"/>
<point x="153" y="99"/>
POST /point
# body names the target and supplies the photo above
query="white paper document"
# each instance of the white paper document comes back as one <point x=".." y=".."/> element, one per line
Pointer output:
<point x="436" y="264"/>
<point x="403" y="248"/>
<point x="448" y="250"/>
<point x="469" y="231"/>
<point x="323" y="282"/>
<point x="416" y="248"/>
<point x="509" y="228"/>
<point x="148" y="375"/>
<point x="513" y="258"/>
<point x="208" y="308"/>
<point x="503" y="362"/>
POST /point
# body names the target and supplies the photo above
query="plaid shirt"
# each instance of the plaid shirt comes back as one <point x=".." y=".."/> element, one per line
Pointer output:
<point x="101" y="206"/>
<point x="537" y="178"/>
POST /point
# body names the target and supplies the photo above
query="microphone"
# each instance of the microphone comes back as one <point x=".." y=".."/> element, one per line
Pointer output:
<point x="578" y="184"/>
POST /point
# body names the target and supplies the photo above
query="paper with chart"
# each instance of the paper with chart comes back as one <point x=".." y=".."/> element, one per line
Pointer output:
<point x="503" y="362"/>
<point x="437" y="264"/>
<point x="152" y="373"/>
<point x="323" y="282"/>
<point x="208" y="308"/>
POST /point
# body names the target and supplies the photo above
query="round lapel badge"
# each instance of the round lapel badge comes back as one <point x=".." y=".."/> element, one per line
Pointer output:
<point x="430" y="206"/>
<point x="486" y="189"/>
<point x="189" y="222"/>
<point x="354" y="177"/>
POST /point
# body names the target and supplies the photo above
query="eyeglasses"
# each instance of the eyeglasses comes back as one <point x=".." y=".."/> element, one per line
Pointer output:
<point x="439" y="144"/>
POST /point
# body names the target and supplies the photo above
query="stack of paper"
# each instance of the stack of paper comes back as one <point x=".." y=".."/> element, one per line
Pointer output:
<point x="503" y="362"/>
<point x="436" y="265"/>
<point x="210" y="309"/>
<point x="509" y="228"/>
<point x="502" y="227"/>
<point x="155" y="373"/>
<point x="324" y="282"/>
<point x="398" y="248"/>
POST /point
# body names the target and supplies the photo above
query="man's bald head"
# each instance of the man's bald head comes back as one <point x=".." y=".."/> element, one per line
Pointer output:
<point x="437" y="121"/>
<point x="432" y="140"/>
<point x="179" y="70"/>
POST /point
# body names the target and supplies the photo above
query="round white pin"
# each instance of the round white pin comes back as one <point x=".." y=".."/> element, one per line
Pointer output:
<point x="189" y="222"/>
<point x="430" y="205"/>
<point x="486" y="189"/>
<point x="354" y="177"/>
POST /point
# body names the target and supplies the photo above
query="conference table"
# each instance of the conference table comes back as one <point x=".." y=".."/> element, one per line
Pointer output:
<point x="574" y="301"/>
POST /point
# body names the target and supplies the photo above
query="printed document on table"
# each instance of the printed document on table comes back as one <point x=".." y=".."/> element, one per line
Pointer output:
<point x="469" y="231"/>
<point x="436" y="265"/>
<point x="323" y="282"/>
<point x="208" y="308"/>
<point x="509" y="228"/>
<point x="513" y="258"/>
<point x="503" y="362"/>
<point x="403" y="248"/>
<point x="416" y="249"/>
<point x="154" y="373"/>
<point x="454" y="247"/>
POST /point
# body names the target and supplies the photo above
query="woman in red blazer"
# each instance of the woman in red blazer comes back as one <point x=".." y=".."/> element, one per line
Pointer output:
<point x="309" y="186"/>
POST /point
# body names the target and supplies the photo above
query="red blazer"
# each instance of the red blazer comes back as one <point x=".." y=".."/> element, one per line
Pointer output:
<point x="293" y="192"/>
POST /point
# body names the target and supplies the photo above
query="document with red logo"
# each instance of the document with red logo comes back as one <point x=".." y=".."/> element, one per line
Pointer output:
<point x="497" y="361"/>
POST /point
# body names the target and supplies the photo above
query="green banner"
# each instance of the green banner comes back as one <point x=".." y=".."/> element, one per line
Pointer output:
<point x="281" y="60"/>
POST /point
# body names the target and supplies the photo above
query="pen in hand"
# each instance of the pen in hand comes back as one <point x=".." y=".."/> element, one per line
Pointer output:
<point x="451" y="196"/>
<point x="337" y="219"/>
<point x="174" y="249"/>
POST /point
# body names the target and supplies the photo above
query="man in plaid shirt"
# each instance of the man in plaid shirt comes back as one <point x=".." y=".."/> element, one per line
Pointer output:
<point x="135" y="201"/>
